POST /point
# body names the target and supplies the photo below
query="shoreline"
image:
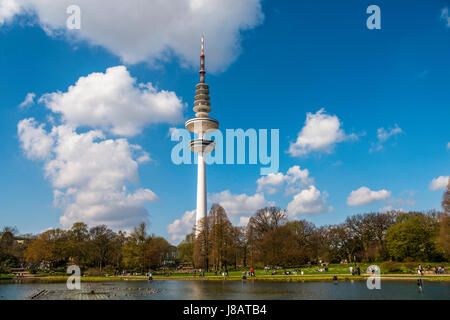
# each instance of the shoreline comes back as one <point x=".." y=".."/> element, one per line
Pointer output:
<point x="279" y="278"/>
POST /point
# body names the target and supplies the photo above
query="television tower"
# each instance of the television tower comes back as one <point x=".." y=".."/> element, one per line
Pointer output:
<point x="201" y="124"/>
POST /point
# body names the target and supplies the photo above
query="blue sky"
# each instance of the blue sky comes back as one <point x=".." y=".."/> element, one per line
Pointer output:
<point x="298" y="58"/>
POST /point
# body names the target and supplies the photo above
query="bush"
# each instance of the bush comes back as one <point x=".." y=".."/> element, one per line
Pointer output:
<point x="93" y="272"/>
<point x="390" y="266"/>
<point x="411" y="266"/>
<point x="4" y="270"/>
<point x="33" y="270"/>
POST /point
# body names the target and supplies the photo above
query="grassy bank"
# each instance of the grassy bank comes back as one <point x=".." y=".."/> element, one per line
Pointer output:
<point x="394" y="271"/>
<point x="281" y="278"/>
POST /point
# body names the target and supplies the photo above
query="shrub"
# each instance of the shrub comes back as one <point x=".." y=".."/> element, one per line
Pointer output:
<point x="3" y="270"/>
<point x="390" y="266"/>
<point x="411" y="266"/>
<point x="93" y="272"/>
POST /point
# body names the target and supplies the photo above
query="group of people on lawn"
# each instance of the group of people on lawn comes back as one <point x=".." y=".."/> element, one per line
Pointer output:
<point x="437" y="270"/>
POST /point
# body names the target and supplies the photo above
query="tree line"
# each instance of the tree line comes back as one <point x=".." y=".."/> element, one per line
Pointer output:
<point x="97" y="249"/>
<point x="269" y="239"/>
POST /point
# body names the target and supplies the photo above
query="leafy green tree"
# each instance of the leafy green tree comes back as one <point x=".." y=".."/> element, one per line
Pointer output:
<point x="102" y="246"/>
<point x="413" y="236"/>
<point x="186" y="249"/>
<point x="77" y="243"/>
<point x="50" y="247"/>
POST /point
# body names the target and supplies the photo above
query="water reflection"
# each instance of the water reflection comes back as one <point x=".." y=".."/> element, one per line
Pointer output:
<point x="244" y="289"/>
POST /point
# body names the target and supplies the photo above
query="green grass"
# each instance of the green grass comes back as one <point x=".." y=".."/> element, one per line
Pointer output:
<point x="407" y="271"/>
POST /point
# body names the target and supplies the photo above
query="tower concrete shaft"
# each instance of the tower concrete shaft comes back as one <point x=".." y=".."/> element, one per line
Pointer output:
<point x="201" y="192"/>
<point x="201" y="124"/>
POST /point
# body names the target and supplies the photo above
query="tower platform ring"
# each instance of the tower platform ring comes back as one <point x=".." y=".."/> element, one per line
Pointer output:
<point x="202" y="125"/>
<point x="202" y="145"/>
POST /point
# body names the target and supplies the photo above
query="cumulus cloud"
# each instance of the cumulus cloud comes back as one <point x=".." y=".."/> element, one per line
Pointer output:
<point x="29" y="100"/>
<point x="383" y="135"/>
<point x="34" y="139"/>
<point x="445" y="16"/>
<point x="239" y="205"/>
<point x="294" y="179"/>
<point x="308" y="201"/>
<point x="320" y="133"/>
<point x="95" y="178"/>
<point x="114" y="102"/>
<point x="243" y="221"/>
<point x="448" y="145"/>
<point x="148" y="31"/>
<point x="8" y="9"/>
<point x="181" y="227"/>
<point x="364" y="196"/>
<point x="307" y="198"/>
<point x="439" y="183"/>
<point x="271" y="183"/>
<point x="89" y="174"/>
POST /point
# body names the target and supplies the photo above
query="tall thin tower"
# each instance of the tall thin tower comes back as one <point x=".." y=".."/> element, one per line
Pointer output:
<point x="201" y="124"/>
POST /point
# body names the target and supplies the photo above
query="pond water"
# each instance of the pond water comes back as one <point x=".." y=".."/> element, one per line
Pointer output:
<point x="222" y="290"/>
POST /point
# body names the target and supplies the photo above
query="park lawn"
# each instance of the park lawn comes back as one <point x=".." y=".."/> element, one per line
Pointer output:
<point x="234" y="277"/>
<point x="338" y="269"/>
<point x="407" y="271"/>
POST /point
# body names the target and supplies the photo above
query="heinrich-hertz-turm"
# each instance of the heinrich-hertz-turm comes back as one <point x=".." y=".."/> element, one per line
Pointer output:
<point x="200" y="125"/>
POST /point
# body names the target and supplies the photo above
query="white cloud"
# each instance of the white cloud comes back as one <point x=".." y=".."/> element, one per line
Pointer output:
<point x="271" y="183"/>
<point x="307" y="198"/>
<point x="308" y="201"/>
<point x="243" y="221"/>
<point x="152" y="30"/>
<point x="35" y="141"/>
<point x="383" y="135"/>
<point x="89" y="174"/>
<point x="181" y="227"/>
<point x="293" y="179"/>
<point x="439" y="183"/>
<point x="448" y="145"/>
<point x="29" y="100"/>
<point x="364" y="196"/>
<point x="445" y="16"/>
<point x="386" y="209"/>
<point x="8" y="9"/>
<point x="391" y="208"/>
<point x="320" y="133"/>
<point x="238" y="205"/>
<point x="113" y="102"/>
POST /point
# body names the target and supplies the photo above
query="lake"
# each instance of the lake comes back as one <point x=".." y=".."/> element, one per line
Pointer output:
<point x="223" y="290"/>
